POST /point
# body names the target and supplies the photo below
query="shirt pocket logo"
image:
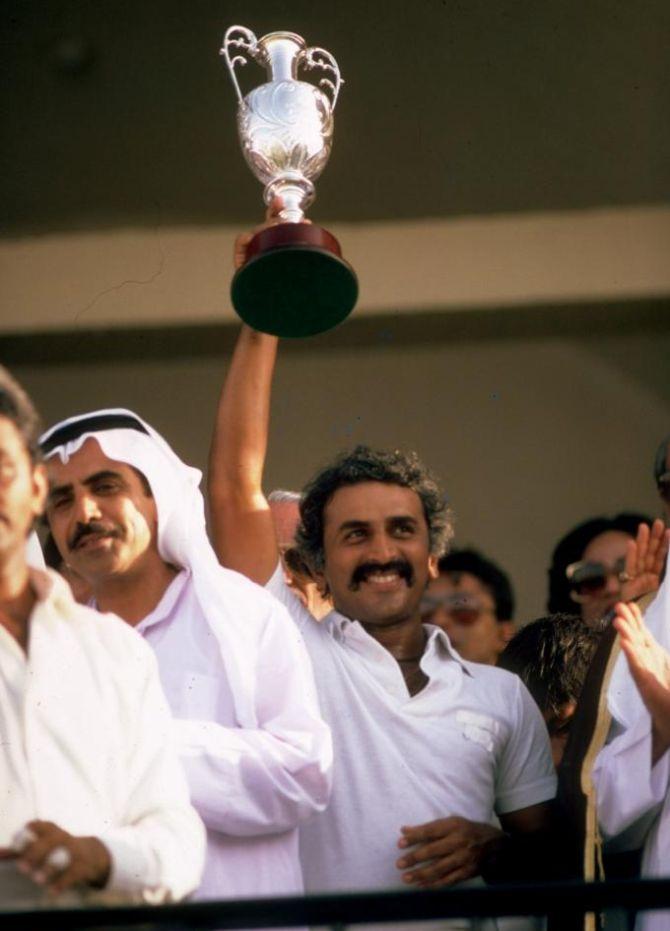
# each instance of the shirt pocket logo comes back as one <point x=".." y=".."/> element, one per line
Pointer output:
<point x="479" y="728"/>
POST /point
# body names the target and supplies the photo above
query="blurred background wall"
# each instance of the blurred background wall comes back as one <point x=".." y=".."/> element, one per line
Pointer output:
<point x="499" y="180"/>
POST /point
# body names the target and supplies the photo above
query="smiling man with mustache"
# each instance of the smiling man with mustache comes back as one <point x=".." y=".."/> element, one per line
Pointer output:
<point x="428" y="748"/>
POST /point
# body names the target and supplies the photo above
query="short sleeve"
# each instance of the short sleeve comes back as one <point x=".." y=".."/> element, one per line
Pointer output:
<point x="526" y="774"/>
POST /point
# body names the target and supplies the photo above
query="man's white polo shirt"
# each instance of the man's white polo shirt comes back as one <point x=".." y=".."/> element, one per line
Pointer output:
<point x="471" y="743"/>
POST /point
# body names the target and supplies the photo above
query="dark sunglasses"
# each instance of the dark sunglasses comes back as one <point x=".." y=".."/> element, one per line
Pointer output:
<point x="588" y="579"/>
<point x="663" y="485"/>
<point x="460" y="608"/>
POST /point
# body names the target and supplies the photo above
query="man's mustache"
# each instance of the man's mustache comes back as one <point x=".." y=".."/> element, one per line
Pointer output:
<point x="401" y="566"/>
<point x="94" y="527"/>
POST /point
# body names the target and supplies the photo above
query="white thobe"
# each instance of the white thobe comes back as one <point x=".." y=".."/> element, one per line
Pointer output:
<point x="86" y="742"/>
<point x="251" y="786"/>
<point x="634" y="797"/>
<point x="471" y="743"/>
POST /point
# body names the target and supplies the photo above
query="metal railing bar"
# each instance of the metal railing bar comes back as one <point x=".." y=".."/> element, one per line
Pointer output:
<point x="356" y="908"/>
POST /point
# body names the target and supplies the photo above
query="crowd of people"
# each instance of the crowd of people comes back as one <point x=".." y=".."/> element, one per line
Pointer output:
<point x="305" y="691"/>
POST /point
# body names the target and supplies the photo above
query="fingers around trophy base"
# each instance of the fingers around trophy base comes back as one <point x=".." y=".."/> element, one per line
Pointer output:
<point x="295" y="282"/>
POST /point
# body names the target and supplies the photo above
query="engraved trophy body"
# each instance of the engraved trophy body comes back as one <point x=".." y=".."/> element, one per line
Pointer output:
<point x="294" y="281"/>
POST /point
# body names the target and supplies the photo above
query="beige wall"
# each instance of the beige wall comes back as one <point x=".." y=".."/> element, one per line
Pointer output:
<point x="175" y="275"/>
<point x="528" y="435"/>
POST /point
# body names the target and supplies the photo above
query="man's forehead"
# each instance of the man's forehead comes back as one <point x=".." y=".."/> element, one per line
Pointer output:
<point x="88" y="459"/>
<point x="366" y="501"/>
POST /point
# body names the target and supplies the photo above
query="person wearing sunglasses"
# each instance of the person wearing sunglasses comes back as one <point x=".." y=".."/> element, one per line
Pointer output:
<point x="591" y="566"/>
<point x="473" y="602"/>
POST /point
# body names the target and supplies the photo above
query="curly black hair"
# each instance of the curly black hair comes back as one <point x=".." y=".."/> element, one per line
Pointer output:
<point x="364" y="464"/>
<point x="17" y="407"/>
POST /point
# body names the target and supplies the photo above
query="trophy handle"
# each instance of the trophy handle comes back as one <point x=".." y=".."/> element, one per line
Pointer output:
<point x="238" y="40"/>
<point x="319" y="58"/>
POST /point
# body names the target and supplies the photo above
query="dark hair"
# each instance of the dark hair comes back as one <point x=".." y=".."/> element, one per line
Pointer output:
<point x="552" y="656"/>
<point x="661" y="460"/>
<point x="571" y="549"/>
<point x="17" y="407"/>
<point x="489" y="574"/>
<point x="295" y="563"/>
<point x="363" y="464"/>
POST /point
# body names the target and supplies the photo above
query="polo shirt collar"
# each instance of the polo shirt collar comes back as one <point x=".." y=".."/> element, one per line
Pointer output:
<point x="438" y="642"/>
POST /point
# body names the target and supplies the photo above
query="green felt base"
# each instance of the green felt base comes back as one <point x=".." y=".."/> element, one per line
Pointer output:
<point x="295" y="291"/>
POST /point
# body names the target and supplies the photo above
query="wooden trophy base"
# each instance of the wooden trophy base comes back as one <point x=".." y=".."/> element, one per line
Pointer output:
<point x="295" y="282"/>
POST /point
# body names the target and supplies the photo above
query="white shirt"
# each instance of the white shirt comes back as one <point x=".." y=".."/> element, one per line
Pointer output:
<point x="634" y="797"/>
<point x="251" y="786"/>
<point x="472" y="743"/>
<point x="86" y="742"/>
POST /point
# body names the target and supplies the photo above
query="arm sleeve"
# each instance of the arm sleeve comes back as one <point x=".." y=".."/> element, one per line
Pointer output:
<point x="629" y="790"/>
<point x="253" y="781"/>
<point x="526" y="774"/>
<point x="158" y="850"/>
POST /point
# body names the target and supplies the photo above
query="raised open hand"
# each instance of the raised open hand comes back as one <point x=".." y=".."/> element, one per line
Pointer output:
<point x="645" y="557"/>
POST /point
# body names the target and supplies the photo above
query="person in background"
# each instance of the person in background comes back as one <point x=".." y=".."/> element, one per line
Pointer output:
<point x="552" y="656"/>
<point x="472" y="601"/>
<point x="285" y="511"/>
<point x="589" y="571"/>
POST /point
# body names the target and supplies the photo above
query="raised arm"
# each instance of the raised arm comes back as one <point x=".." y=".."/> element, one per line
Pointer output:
<point x="241" y="521"/>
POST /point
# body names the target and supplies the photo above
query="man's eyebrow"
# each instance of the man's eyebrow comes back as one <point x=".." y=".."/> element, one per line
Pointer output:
<point x="56" y="490"/>
<point x="101" y="475"/>
<point x="352" y="524"/>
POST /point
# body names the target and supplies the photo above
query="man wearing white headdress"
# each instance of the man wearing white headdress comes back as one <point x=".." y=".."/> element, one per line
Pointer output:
<point x="127" y="515"/>
<point x="93" y="802"/>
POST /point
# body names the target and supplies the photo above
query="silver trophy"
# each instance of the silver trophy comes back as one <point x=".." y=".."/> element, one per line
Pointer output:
<point x="294" y="281"/>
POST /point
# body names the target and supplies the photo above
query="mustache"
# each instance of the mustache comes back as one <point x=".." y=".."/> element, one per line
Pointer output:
<point x="94" y="527"/>
<point x="401" y="566"/>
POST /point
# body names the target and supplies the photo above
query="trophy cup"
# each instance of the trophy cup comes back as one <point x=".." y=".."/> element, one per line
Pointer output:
<point x="294" y="281"/>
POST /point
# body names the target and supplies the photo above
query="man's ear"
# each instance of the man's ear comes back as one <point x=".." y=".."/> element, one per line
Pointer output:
<point x="40" y="489"/>
<point x="433" y="570"/>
